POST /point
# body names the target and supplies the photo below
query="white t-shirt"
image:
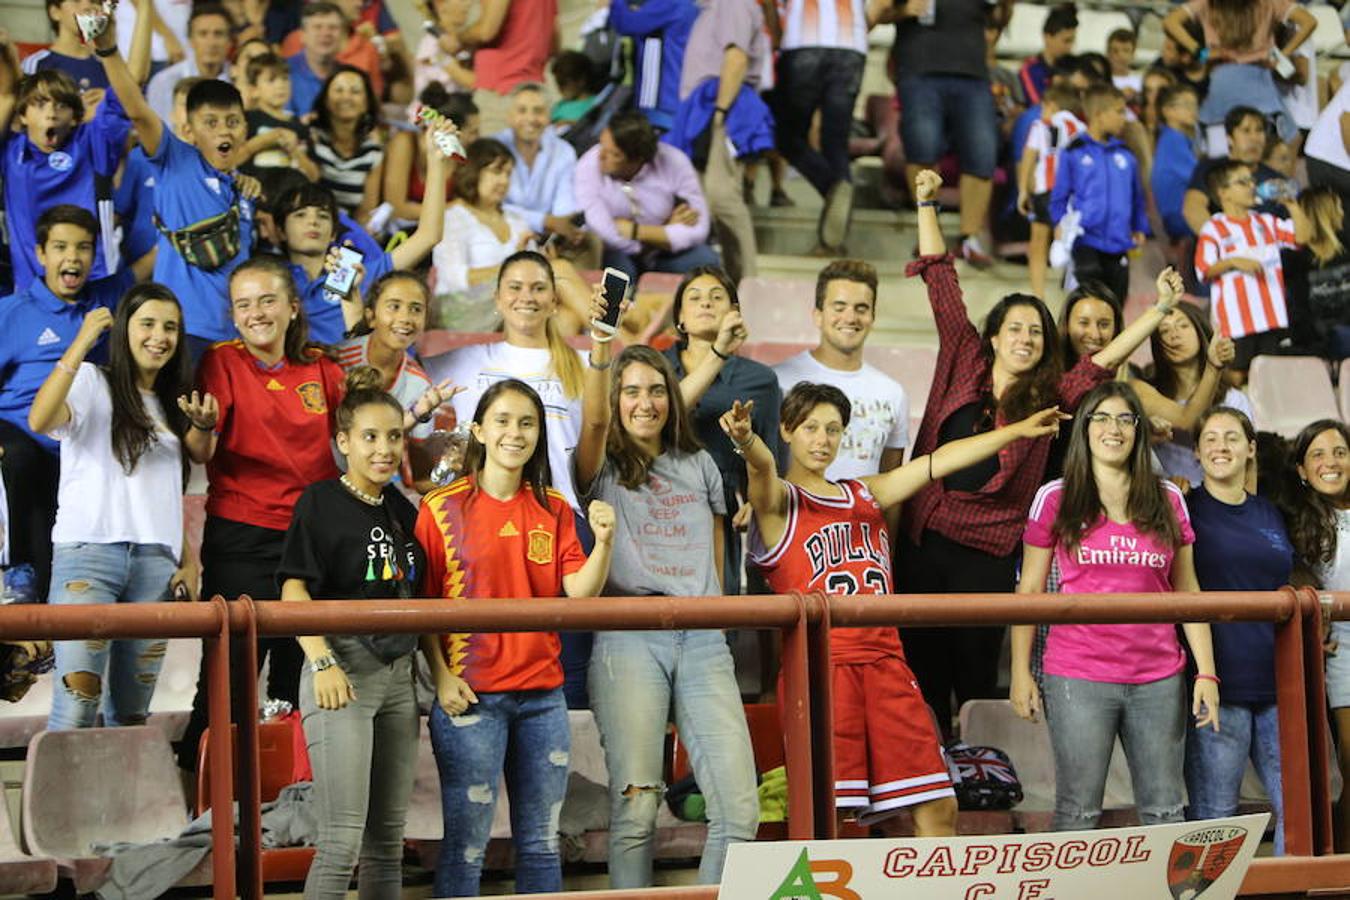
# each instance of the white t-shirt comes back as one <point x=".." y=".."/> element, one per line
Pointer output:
<point x="1324" y="141"/>
<point x="479" y="366"/>
<point x="1335" y="574"/>
<point x="174" y="13"/>
<point x="880" y="418"/>
<point x="469" y="244"/>
<point x="97" y="501"/>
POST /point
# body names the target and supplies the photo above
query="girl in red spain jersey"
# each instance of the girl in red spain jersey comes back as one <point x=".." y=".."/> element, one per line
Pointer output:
<point x="811" y="534"/>
<point x="501" y="531"/>
<point x="261" y="420"/>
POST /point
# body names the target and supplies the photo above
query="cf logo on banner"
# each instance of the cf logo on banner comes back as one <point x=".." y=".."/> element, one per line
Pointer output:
<point x="817" y="879"/>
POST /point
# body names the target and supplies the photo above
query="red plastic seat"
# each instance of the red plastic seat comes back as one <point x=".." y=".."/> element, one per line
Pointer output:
<point x="276" y="761"/>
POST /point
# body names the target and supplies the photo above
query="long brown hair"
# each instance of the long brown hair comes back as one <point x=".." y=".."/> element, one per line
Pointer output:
<point x="1164" y="374"/>
<point x="1146" y="503"/>
<point x="1326" y="216"/>
<point x="1311" y="516"/>
<point x="536" y="472"/>
<point x="134" y="430"/>
<point x="1039" y="388"/>
<point x="1234" y="23"/>
<point x="631" y="461"/>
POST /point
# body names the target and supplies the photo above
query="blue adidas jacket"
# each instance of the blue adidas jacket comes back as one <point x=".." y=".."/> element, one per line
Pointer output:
<point x="1102" y="181"/>
<point x="749" y="122"/>
<point x="660" y="29"/>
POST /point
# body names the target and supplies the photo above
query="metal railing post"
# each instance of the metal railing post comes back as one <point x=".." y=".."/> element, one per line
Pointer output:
<point x="796" y="706"/>
<point x="1319" y="729"/>
<point x="1292" y="709"/>
<point x="217" y="650"/>
<point x="822" y="721"/>
<point x="250" y="768"/>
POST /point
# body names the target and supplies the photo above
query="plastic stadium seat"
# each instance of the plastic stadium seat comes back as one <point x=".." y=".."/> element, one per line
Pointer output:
<point x="19" y="872"/>
<point x="99" y="786"/>
<point x="778" y="309"/>
<point x="1345" y="390"/>
<point x="1329" y="36"/>
<point x="1022" y="37"/>
<point x="276" y="761"/>
<point x="1288" y="392"/>
<point x="1095" y="26"/>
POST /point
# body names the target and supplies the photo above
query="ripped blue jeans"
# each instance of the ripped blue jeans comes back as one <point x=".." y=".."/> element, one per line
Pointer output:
<point x="118" y="675"/>
<point x="524" y="736"/>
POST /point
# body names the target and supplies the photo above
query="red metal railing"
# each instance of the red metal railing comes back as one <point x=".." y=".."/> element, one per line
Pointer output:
<point x="210" y="621"/>
<point x="806" y="622"/>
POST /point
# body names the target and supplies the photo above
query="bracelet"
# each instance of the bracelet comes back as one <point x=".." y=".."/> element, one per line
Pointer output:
<point x="599" y="367"/>
<point x="929" y="203"/>
<point x="739" y="449"/>
<point x="601" y="339"/>
<point x="425" y="417"/>
<point x="323" y="663"/>
<point x="721" y="109"/>
<point x="719" y="354"/>
<point x="67" y="369"/>
<point x="106" y="52"/>
<point x="1201" y="676"/>
<point x="200" y="427"/>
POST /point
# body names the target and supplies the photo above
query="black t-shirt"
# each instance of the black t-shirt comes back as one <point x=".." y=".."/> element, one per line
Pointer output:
<point x="952" y="45"/>
<point x="973" y="418"/>
<point x="346" y="549"/>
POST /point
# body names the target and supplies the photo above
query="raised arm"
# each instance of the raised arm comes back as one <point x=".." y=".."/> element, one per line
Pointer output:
<point x="730" y="335"/>
<point x="1170" y="289"/>
<point x="149" y="127"/>
<point x="9" y="79"/>
<point x="767" y="492"/>
<point x="1304" y="25"/>
<point x="897" y="485"/>
<point x="589" y="580"/>
<point x="1175" y="27"/>
<point x="431" y="223"/>
<point x="589" y="456"/>
<point x="138" y="54"/>
<point x="926" y="185"/>
<point x="1186" y="416"/>
<point x="49" y="410"/>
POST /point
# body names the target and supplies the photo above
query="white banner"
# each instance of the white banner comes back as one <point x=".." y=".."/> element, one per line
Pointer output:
<point x="1182" y="862"/>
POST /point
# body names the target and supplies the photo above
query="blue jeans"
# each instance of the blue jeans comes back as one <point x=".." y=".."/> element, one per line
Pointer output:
<point x="956" y="111"/>
<point x="636" y="677"/>
<point x="659" y="260"/>
<point x="1217" y="761"/>
<point x="525" y="736"/>
<point x="125" y="671"/>
<point x="1085" y="717"/>
<point x="811" y="79"/>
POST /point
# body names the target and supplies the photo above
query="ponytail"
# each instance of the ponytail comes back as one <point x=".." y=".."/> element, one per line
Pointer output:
<point x="566" y="365"/>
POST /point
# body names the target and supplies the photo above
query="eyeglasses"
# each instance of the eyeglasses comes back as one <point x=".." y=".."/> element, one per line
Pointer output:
<point x="1124" y="421"/>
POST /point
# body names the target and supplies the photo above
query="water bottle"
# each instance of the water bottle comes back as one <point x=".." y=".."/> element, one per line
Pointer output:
<point x="1276" y="190"/>
<point x="928" y="18"/>
<point x="451" y="464"/>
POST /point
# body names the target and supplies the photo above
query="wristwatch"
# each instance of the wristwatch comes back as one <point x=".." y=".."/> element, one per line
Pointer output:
<point x="327" y="661"/>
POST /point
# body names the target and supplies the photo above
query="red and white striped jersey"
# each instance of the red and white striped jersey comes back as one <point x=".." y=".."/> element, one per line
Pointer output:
<point x="825" y="23"/>
<point x="1243" y="304"/>
<point x="1049" y="139"/>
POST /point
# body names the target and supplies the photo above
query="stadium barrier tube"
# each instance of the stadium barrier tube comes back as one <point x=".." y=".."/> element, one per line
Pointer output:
<point x="210" y="621"/>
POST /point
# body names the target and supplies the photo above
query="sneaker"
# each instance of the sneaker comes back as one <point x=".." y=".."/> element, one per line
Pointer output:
<point x="835" y="216"/>
<point x="973" y="253"/>
<point x="779" y="198"/>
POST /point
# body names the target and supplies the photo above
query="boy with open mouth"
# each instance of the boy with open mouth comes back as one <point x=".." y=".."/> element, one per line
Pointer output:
<point x="57" y="157"/>
<point x="203" y="208"/>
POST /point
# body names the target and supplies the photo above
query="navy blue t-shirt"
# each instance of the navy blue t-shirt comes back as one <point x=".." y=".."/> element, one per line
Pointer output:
<point x="1241" y="548"/>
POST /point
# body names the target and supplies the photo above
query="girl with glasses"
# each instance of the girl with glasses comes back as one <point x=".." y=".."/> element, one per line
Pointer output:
<point x="1113" y="527"/>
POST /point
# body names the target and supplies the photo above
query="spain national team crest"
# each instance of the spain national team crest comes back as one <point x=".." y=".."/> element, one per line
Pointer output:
<point x="1200" y="857"/>
<point x="540" y="547"/>
<point x="311" y="397"/>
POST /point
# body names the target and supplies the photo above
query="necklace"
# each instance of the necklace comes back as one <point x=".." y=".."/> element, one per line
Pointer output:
<point x="360" y="494"/>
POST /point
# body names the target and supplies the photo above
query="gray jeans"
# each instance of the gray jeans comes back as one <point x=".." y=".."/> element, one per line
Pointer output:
<point x="1086" y="716"/>
<point x="361" y="806"/>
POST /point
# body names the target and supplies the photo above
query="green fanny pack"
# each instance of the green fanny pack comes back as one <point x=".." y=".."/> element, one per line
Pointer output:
<point x="208" y="244"/>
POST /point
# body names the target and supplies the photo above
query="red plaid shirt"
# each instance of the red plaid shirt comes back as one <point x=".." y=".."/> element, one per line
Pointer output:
<point x="991" y="519"/>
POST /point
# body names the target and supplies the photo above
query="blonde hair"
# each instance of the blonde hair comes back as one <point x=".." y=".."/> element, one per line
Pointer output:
<point x="566" y="365"/>
<point x="1320" y="204"/>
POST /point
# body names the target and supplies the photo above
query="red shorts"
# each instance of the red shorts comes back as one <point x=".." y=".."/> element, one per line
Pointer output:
<point x="887" y="754"/>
